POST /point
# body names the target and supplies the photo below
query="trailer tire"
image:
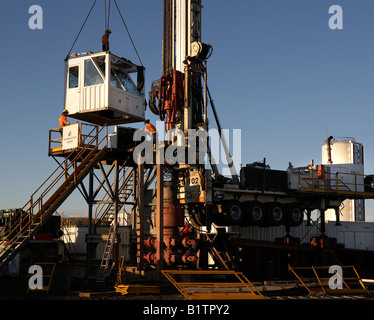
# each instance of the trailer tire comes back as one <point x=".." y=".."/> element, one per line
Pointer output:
<point x="255" y="213"/>
<point x="294" y="215"/>
<point x="275" y="213"/>
<point x="234" y="211"/>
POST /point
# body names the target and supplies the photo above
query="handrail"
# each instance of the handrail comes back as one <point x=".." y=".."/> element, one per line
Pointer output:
<point x="335" y="184"/>
<point x="195" y="289"/>
<point x="26" y="214"/>
<point x="354" y="277"/>
<point x="78" y="156"/>
<point x="338" y="181"/>
<point x="81" y="134"/>
<point x="31" y="218"/>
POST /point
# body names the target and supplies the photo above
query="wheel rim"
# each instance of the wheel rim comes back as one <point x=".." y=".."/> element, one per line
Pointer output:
<point x="296" y="215"/>
<point x="277" y="214"/>
<point x="257" y="213"/>
<point x="235" y="212"/>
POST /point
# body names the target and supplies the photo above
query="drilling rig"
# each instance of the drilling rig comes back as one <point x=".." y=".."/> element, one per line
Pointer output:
<point x="261" y="197"/>
<point x="194" y="205"/>
<point x="179" y="98"/>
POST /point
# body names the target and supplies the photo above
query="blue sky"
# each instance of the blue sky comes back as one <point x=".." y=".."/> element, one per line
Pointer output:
<point x="278" y="72"/>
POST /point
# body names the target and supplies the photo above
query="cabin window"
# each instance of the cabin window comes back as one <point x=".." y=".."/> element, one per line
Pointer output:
<point x="73" y="77"/>
<point x="99" y="63"/>
<point x="123" y="81"/>
<point x="92" y="77"/>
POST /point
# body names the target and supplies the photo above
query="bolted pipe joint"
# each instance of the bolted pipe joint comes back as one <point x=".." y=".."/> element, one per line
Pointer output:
<point x="150" y="257"/>
<point x="171" y="242"/>
<point x="150" y="242"/>
<point x="188" y="242"/>
<point x="189" y="258"/>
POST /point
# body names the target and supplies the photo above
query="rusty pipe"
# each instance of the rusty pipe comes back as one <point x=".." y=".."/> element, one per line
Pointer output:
<point x="329" y="161"/>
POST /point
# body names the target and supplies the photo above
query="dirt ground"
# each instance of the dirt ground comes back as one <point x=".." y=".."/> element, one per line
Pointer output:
<point x="16" y="289"/>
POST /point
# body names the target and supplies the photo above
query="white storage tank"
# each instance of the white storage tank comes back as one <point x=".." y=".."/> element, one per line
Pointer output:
<point x="101" y="88"/>
<point x="345" y="151"/>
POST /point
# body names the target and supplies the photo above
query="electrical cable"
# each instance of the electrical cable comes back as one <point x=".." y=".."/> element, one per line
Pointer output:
<point x="123" y="21"/>
<point x="76" y="38"/>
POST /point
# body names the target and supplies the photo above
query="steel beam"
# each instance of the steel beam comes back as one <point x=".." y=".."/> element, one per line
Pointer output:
<point x="140" y="215"/>
<point x="160" y="213"/>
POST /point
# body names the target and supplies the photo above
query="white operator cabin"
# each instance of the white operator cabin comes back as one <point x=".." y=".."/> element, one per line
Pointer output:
<point x="101" y="88"/>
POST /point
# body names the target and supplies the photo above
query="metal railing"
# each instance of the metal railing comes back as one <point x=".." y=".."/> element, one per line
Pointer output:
<point x="48" y="267"/>
<point x="338" y="183"/>
<point x="237" y="286"/>
<point x="31" y="214"/>
<point x="316" y="279"/>
<point x="86" y="133"/>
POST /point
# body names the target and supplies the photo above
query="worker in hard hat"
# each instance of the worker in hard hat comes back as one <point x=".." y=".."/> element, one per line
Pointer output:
<point x="105" y="40"/>
<point x="151" y="128"/>
<point x="62" y="120"/>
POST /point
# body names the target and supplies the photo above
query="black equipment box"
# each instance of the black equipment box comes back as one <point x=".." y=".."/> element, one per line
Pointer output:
<point x="263" y="179"/>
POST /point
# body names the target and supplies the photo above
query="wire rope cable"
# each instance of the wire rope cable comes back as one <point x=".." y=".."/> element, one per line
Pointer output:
<point x="76" y="38"/>
<point x="128" y="32"/>
<point x="107" y="14"/>
<point x="107" y="20"/>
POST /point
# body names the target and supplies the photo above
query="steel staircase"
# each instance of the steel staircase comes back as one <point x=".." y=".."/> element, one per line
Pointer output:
<point x="49" y="196"/>
<point x="124" y="192"/>
<point x="106" y="212"/>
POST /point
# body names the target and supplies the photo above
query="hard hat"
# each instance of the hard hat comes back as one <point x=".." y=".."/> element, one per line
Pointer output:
<point x="65" y="111"/>
<point x="108" y="31"/>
